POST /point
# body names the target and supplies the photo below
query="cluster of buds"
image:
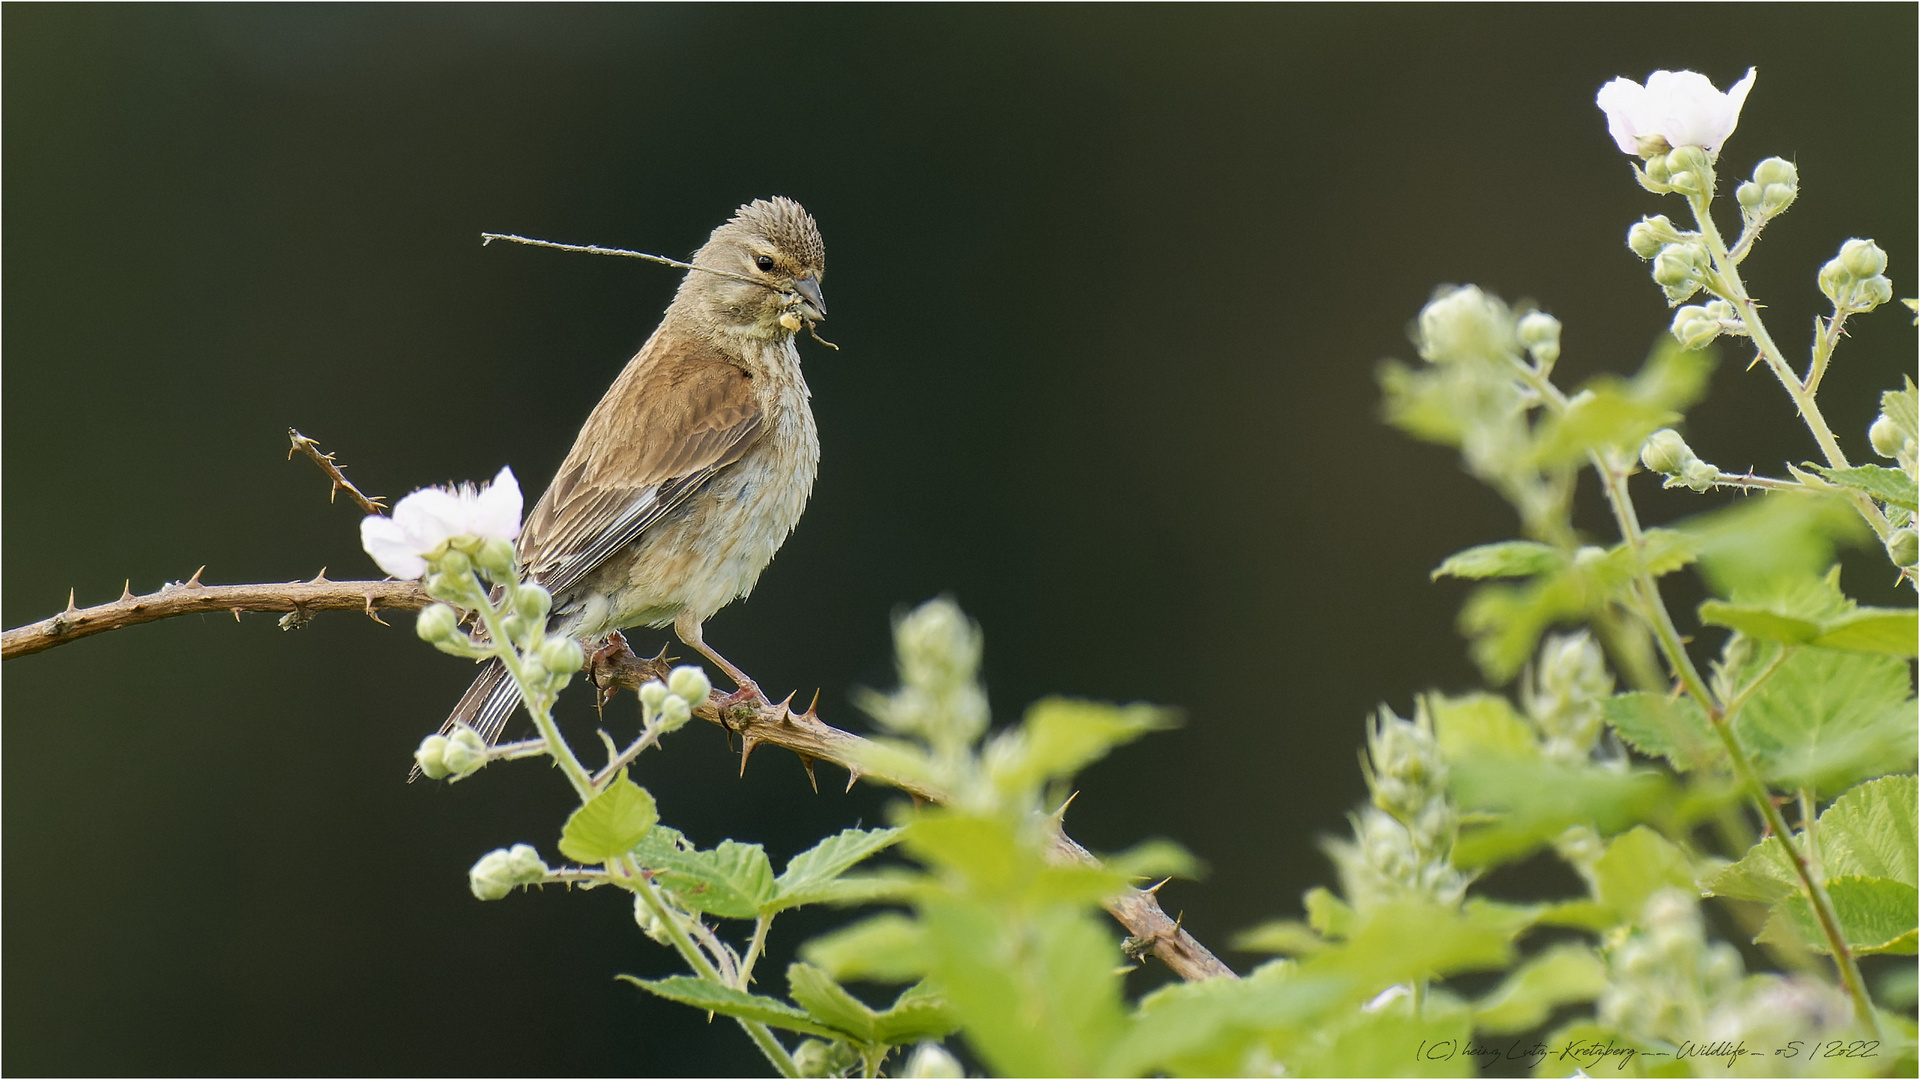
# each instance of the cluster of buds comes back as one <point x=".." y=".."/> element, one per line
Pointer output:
<point x="1774" y="185"/>
<point x="1681" y="263"/>
<point x="501" y="870"/>
<point x="1464" y="324"/>
<point x="1696" y="325"/>
<point x="1686" y="169"/>
<point x="1403" y="843"/>
<point x="456" y="755"/>
<point x="669" y="705"/>
<point x="1667" y="453"/>
<point x="940" y="699"/>
<point x="1855" y="280"/>
<point x="1663" y="975"/>
<point x="1539" y="333"/>
<point x="1563" y="697"/>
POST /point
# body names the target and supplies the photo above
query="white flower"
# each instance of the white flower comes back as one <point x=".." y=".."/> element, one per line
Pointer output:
<point x="424" y="521"/>
<point x="1680" y="108"/>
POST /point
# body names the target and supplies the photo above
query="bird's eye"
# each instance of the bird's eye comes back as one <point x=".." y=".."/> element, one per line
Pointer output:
<point x="764" y="262"/>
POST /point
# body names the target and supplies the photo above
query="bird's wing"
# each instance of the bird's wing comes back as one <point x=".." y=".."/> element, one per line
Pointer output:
<point x="677" y="415"/>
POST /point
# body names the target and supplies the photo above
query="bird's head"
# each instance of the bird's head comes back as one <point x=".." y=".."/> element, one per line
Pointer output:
<point x="770" y="261"/>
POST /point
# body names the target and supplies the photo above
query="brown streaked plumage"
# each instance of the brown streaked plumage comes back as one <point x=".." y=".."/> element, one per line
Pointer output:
<point x="695" y="465"/>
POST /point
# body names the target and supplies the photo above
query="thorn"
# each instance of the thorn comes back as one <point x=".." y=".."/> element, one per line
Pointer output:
<point x="236" y="614"/>
<point x="806" y="762"/>
<point x="1061" y="814"/>
<point x="1155" y="888"/>
<point x="786" y="708"/>
<point x="747" y="743"/>
<point x="810" y="714"/>
<point x="371" y="614"/>
<point x="70" y="604"/>
<point x="319" y="577"/>
<point x="126" y="590"/>
<point x="853" y="775"/>
<point x="918" y="803"/>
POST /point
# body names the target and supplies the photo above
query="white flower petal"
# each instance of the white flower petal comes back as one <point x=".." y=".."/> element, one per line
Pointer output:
<point x="383" y="539"/>
<point x="1618" y="99"/>
<point x="496" y="511"/>
<point x="1736" y="100"/>
<point x="430" y="517"/>
<point x="1681" y="107"/>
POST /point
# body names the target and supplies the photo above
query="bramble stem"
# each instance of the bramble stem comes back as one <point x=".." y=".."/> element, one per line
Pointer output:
<point x="539" y="704"/>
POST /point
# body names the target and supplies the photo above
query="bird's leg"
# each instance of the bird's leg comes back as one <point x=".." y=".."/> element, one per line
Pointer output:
<point x="688" y="627"/>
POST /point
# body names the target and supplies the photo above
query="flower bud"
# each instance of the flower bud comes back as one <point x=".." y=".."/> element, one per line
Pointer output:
<point x="1885" y="437"/>
<point x="1776" y="171"/>
<point x="1466" y="324"/>
<point x="1678" y="265"/>
<point x="931" y="1061"/>
<point x="562" y="655"/>
<point x="498" y="871"/>
<point x="1666" y="452"/>
<point x="1903" y="547"/>
<point x="464" y="754"/>
<point x="1649" y="235"/>
<point x="437" y="624"/>
<point x="532" y="602"/>
<point x="1863" y="258"/>
<point x="431" y="757"/>
<point x="1540" y="333"/>
<point x="1658" y="174"/>
<point x="1873" y="292"/>
<point x="674" y="712"/>
<point x="526" y="863"/>
<point x="1698" y="475"/>
<point x="496" y="558"/>
<point x="690" y="683"/>
<point x="652" y="926"/>
<point x="652" y="693"/>
<point x="938" y="646"/>
<point x="453" y="562"/>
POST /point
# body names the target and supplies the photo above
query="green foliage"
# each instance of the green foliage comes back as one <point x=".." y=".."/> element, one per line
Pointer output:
<point x="1890" y="486"/>
<point x="612" y="824"/>
<point x="1563" y="974"/>
<point x="1508" y="558"/>
<point x="727" y="1001"/>
<point x="1611" y="412"/>
<point x="1825" y="718"/>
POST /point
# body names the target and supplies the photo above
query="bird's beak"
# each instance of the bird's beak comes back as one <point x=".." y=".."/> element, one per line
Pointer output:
<point x="809" y="289"/>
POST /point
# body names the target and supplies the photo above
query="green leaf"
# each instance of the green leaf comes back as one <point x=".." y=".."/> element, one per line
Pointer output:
<point x="828" y="1002"/>
<point x="1611" y="412"/>
<point x="1826" y="718"/>
<point x="1402" y="941"/>
<point x="733" y="881"/>
<point x="1872" y="630"/>
<point x="1537" y="801"/>
<point x="1477" y="726"/>
<point x="1758" y="622"/>
<point x="1207" y="1028"/>
<point x="1870" y="831"/>
<point x="1328" y="914"/>
<point x="712" y="997"/>
<point x="1562" y="974"/>
<point x="1288" y="937"/>
<point x="1900" y="407"/>
<point x="1764" y="875"/>
<point x="1875" y="915"/>
<point x="611" y="824"/>
<point x="1154" y="859"/>
<point x="1505" y="622"/>
<point x="1636" y="865"/>
<point x="1882" y="484"/>
<point x="1661" y="726"/>
<point x="889" y="947"/>
<point x="1385" y="1041"/>
<point x="918" y="1013"/>
<point x="1781" y="536"/>
<point x="810" y="874"/>
<point x="1060" y="736"/>
<point x="1508" y="558"/>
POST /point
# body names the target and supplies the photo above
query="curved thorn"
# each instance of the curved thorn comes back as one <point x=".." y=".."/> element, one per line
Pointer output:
<point x="70" y="604"/>
<point x="806" y="762"/>
<point x="747" y="744"/>
<point x="853" y="776"/>
<point x="194" y="581"/>
<point x="126" y="590"/>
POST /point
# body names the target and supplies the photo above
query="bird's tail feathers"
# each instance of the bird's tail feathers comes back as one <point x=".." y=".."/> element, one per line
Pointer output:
<point x="486" y="707"/>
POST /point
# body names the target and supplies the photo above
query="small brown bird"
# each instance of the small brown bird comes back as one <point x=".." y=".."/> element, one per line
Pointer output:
<point x="695" y="466"/>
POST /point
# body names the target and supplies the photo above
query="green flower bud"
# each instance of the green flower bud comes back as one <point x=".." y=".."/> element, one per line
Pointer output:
<point x="1649" y="235"/>
<point x="453" y="562"/>
<point x="690" y="682"/>
<point x="1666" y="452"/>
<point x="1678" y="265"/>
<point x="930" y="1061"/>
<point x="532" y="602"/>
<point x="938" y="647"/>
<point x="1776" y="171"/>
<point x="818" y="1057"/>
<point x="674" y="712"/>
<point x="465" y="752"/>
<point x="1873" y="292"/>
<point x="1658" y="172"/>
<point x="1698" y="475"/>
<point x="1835" y="282"/>
<point x="431" y="757"/>
<point x="652" y="926"/>
<point x="652" y="693"/>
<point x="1463" y="324"/>
<point x="496" y="558"/>
<point x="1750" y="196"/>
<point x="1885" y="437"/>
<point x="1540" y="333"/>
<point x="1863" y="258"/>
<point x="562" y="655"/>
<point x="500" y="870"/>
<point x="437" y="624"/>
<point x="521" y="630"/>
<point x="1903" y="547"/>
<point x="526" y="863"/>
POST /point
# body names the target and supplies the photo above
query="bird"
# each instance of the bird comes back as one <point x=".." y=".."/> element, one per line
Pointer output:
<point x="696" y="464"/>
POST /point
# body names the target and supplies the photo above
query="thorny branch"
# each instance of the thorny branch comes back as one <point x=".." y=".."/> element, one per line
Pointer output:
<point x="304" y="445"/>
<point x="613" y="666"/>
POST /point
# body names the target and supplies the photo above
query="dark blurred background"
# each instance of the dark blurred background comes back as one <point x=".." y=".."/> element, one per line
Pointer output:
<point x="1109" y="284"/>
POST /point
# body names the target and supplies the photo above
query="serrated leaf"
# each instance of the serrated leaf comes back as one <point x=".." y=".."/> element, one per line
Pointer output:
<point x="1662" y="726"/>
<point x="1508" y="558"/>
<point x="711" y="997"/>
<point x="828" y="1002"/>
<point x="1562" y="974"/>
<point x="611" y="824"/>
<point x="918" y="1013"/>
<point x="1878" y="482"/>
<point x="1900" y="406"/>
<point x="1892" y="631"/>
<point x="889" y="947"/>
<point x="1826" y="718"/>
<point x="1765" y="875"/>
<point x="1758" y="622"/>
<point x="1870" y="831"/>
<point x="1875" y="915"/>
<point x="733" y="881"/>
<point x="808" y="874"/>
